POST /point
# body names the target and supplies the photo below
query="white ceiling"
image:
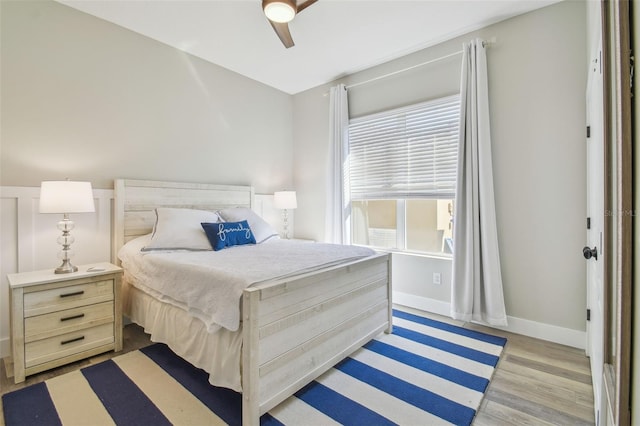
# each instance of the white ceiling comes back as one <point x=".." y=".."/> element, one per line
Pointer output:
<point x="333" y="37"/>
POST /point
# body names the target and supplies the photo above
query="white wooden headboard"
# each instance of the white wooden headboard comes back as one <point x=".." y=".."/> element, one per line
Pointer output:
<point x="135" y="201"/>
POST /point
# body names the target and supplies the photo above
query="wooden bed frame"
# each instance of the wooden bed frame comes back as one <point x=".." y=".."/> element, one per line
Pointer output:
<point x="293" y="329"/>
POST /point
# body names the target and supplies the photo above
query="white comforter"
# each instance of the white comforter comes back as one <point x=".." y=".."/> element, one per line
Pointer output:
<point x="209" y="284"/>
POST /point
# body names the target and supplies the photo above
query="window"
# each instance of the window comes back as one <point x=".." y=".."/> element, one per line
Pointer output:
<point x="402" y="176"/>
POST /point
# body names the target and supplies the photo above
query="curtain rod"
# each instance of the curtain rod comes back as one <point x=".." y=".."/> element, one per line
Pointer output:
<point x="404" y="69"/>
<point x="484" y="44"/>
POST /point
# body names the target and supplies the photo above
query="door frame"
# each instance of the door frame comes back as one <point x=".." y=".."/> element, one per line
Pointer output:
<point x="618" y="237"/>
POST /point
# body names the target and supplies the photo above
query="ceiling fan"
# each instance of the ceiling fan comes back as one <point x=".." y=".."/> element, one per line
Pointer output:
<point x="280" y="13"/>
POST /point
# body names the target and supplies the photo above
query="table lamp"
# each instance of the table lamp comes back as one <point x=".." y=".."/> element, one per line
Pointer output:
<point x="66" y="197"/>
<point x="285" y="200"/>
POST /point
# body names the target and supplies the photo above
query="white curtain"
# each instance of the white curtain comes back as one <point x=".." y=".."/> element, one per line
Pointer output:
<point x="476" y="292"/>
<point x="337" y="200"/>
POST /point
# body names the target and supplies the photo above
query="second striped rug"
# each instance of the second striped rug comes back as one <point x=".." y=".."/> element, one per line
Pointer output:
<point x="425" y="373"/>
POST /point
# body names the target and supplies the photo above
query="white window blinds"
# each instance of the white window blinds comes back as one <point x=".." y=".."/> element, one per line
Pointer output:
<point x="409" y="152"/>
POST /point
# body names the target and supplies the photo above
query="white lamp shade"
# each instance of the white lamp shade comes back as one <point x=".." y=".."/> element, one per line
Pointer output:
<point x="66" y="197"/>
<point x="279" y="11"/>
<point x="285" y="200"/>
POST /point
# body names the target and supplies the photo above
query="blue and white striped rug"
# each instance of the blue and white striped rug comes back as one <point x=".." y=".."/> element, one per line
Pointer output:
<point x="425" y="373"/>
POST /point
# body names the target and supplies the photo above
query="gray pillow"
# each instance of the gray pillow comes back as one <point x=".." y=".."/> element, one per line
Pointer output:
<point x="262" y="231"/>
<point x="180" y="229"/>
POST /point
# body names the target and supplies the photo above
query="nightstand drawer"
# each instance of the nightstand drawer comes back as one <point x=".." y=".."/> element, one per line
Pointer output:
<point x="57" y="299"/>
<point x="61" y="322"/>
<point x="46" y="350"/>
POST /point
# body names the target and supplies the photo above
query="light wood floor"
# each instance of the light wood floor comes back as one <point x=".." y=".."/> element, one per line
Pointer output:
<point x="536" y="382"/>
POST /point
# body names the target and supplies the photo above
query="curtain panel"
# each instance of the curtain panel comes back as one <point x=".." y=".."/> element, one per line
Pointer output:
<point x="476" y="290"/>
<point x="337" y="204"/>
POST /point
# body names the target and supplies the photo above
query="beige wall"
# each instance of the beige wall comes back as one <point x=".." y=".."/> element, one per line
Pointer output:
<point x="85" y="99"/>
<point x="537" y="82"/>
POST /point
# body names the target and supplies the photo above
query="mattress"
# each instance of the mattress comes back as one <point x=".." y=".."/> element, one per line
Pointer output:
<point x="209" y="284"/>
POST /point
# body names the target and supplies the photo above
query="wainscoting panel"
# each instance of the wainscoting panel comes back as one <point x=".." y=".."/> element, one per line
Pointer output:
<point x="28" y="238"/>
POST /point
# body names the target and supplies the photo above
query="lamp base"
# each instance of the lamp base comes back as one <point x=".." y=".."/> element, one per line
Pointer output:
<point x="65" y="240"/>
<point x="66" y="267"/>
<point x="285" y="227"/>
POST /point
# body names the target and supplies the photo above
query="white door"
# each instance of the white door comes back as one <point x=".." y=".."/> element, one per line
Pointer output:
<point x="593" y="251"/>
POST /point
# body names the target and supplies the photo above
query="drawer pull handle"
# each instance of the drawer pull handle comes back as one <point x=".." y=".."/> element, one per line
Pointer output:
<point x="66" y="342"/>
<point x="75" y="293"/>
<point x="72" y="317"/>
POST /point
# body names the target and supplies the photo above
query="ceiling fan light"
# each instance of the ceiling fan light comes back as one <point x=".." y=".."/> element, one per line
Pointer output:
<point x="279" y="11"/>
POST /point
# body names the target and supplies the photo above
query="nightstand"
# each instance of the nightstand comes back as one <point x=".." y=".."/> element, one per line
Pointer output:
<point x="61" y="318"/>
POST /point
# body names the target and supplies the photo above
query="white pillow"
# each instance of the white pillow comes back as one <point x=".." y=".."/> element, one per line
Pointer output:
<point x="180" y="229"/>
<point x="261" y="230"/>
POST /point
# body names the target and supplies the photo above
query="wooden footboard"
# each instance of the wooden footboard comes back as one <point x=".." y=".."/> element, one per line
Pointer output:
<point x="295" y="330"/>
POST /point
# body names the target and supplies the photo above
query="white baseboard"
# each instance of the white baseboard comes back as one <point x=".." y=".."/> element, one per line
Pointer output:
<point x="423" y="303"/>
<point x="552" y="333"/>
<point x="538" y="330"/>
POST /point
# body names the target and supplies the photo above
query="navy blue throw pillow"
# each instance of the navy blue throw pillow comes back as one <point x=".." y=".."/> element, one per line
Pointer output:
<point x="227" y="234"/>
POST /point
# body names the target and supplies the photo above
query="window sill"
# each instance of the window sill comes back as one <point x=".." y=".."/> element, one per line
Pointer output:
<point x="438" y="256"/>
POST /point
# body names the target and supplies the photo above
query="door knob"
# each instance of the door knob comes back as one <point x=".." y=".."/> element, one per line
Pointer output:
<point x="588" y="253"/>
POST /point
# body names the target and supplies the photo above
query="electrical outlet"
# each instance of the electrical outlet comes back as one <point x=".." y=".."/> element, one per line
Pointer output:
<point x="436" y="278"/>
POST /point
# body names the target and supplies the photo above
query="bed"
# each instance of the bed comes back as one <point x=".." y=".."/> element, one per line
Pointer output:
<point x="348" y="304"/>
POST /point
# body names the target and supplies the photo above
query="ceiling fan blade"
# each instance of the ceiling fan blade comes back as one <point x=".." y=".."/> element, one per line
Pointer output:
<point x="305" y="5"/>
<point x="282" y="29"/>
